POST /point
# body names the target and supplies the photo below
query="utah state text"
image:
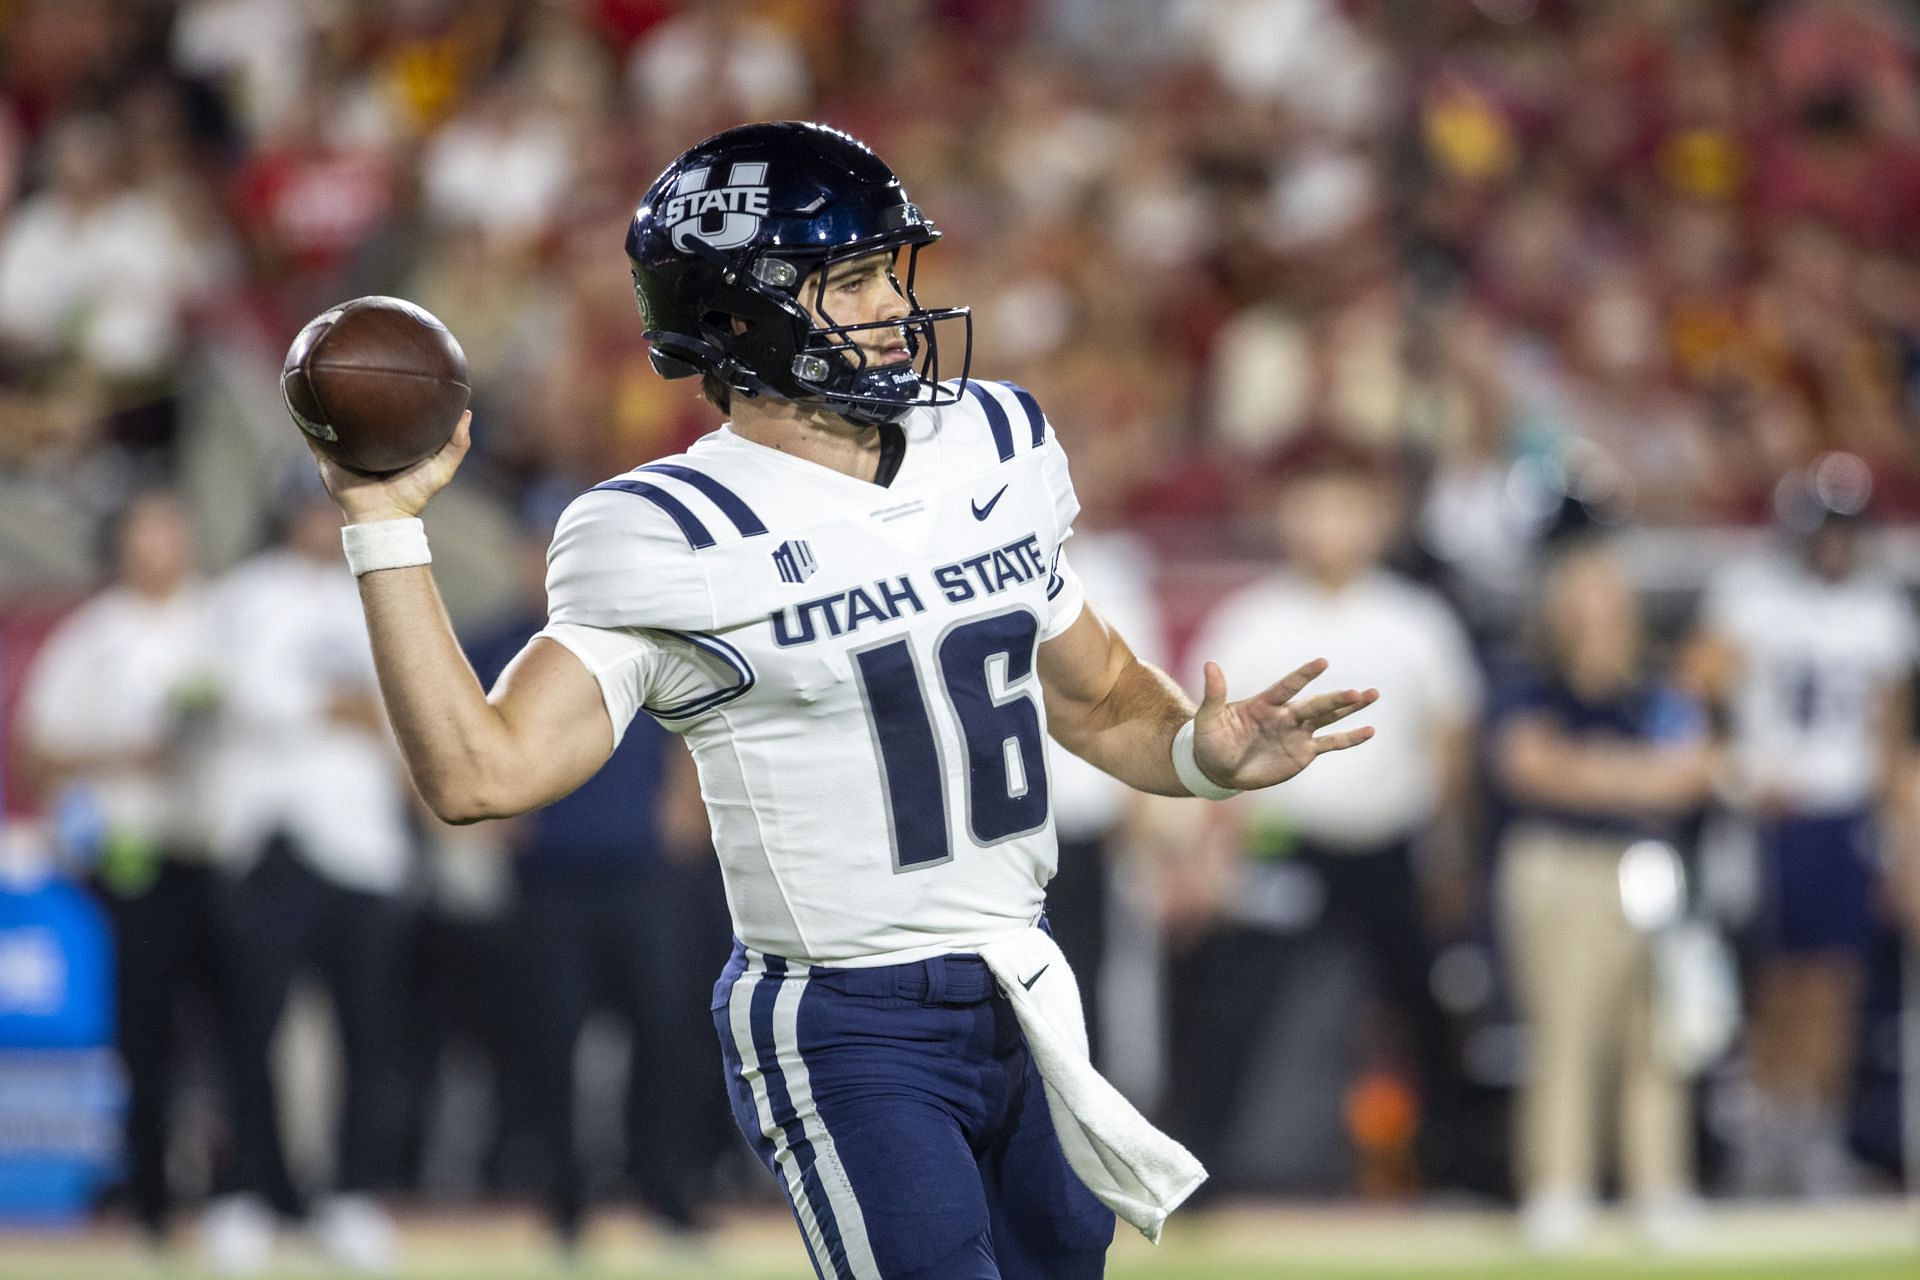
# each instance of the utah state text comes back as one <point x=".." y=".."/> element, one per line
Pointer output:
<point x="845" y="612"/>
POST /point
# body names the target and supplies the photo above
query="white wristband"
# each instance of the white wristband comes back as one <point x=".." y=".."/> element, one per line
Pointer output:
<point x="385" y="544"/>
<point x="1188" y="768"/>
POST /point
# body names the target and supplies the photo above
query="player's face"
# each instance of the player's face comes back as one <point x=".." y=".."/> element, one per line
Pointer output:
<point x="862" y="291"/>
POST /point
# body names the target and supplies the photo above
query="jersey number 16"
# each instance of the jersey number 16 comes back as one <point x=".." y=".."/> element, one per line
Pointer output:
<point x="1006" y="774"/>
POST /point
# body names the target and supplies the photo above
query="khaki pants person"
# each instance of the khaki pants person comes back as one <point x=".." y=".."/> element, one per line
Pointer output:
<point x="1583" y="980"/>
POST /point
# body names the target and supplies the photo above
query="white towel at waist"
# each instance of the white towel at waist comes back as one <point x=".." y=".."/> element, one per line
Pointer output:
<point x="1135" y="1170"/>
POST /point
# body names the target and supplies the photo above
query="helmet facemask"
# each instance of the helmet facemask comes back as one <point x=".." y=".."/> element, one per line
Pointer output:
<point x="831" y="368"/>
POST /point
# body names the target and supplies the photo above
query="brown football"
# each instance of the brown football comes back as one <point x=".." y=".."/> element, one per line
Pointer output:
<point x="377" y="383"/>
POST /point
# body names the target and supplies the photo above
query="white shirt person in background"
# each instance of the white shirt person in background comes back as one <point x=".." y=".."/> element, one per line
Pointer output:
<point x="1373" y="832"/>
<point x="308" y="816"/>
<point x="105" y="716"/>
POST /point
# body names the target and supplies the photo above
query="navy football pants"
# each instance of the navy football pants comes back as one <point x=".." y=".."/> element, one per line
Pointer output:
<point x="901" y="1111"/>
<point x="1818" y="894"/>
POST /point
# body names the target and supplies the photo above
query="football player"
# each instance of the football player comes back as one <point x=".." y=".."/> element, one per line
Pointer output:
<point x="852" y="601"/>
<point x="1809" y="654"/>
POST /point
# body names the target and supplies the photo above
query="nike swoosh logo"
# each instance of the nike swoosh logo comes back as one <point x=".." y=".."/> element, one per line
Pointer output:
<point x="1028" y="982"/>
<point x="980" y="512"/>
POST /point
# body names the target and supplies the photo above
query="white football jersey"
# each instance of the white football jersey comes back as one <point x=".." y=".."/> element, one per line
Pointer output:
<point x="1814" y="657"/>
<point x="853" y="666"/>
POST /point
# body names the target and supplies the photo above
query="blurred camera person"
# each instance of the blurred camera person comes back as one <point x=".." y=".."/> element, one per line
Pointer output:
<point x="308" y="818"/>
<point x="1809" y="652"/>
<point x="1370" y="835"/>
<point x="106" y="713"/>
<point x="1594" y="756"/>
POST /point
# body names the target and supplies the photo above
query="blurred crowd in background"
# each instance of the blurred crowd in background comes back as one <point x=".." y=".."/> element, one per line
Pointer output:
<point x="1568" y="312"/>
<point x="1680" y="236"/>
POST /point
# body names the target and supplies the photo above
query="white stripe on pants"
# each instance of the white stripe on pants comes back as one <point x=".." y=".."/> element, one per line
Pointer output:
<point x="831" y="1175"/>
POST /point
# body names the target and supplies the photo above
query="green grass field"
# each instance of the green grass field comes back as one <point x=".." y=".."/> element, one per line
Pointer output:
<point x="1877" y="1241"/>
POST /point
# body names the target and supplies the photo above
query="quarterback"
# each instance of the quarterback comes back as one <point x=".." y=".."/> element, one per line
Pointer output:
<point x="853" y="601"/>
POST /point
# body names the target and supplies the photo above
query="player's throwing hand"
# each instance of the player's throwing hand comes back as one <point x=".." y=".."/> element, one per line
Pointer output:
<point x="1269" y="737"/>
<point x="399" y="495"/>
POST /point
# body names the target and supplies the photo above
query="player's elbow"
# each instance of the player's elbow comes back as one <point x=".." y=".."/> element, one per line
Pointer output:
<point x="458" y="816"/>
<point x="1074" y="721"/>
<point x="455" y="808"/>
<point x="461" y="802"/>
<point x="1071" y="733"/>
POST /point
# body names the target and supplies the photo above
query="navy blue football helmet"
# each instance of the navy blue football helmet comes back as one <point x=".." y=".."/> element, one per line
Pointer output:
<point x="738" y="225"/>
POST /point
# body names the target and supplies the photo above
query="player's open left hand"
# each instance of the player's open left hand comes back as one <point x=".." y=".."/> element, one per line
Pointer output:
<point x="364" y="498"/>
<point x="1269" y="737"/>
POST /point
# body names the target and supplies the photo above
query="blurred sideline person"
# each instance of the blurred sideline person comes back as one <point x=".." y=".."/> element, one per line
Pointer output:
<point x="1810" y="653"/>
<point x="1592" y="754"/>
<point x="309" y="823"/>
<point x="106" y="713"/>
<point x="1360" y="827"/>
<point x="607" y="914"/>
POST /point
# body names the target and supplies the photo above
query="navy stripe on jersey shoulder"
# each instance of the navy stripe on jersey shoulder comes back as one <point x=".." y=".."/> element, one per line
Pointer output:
<point x="697" y="535"/>
<point x="996" y="419"/>
<point x="722" y="497"/>
<point x="1036" y="420"/>
<point x="742" y="669"/>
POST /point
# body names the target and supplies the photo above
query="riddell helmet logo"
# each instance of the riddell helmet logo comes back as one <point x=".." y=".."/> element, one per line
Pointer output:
<point x="724" y="217"/>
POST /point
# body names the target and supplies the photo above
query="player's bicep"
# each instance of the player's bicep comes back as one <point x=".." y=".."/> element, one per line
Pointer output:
<point x="557" y="722"/>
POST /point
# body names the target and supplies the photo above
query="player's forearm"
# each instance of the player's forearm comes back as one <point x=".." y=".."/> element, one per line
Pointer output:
<point x="453" y="739"/>
<point x="1129" y="733"/>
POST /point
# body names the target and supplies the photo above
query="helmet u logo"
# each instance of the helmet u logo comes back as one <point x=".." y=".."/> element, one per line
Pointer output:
<point x="725" y="217"/>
